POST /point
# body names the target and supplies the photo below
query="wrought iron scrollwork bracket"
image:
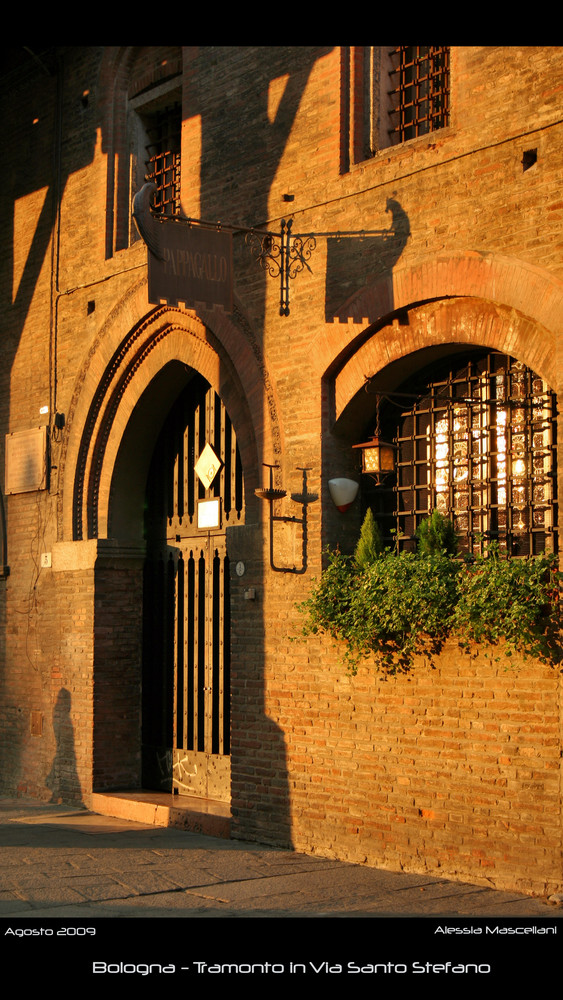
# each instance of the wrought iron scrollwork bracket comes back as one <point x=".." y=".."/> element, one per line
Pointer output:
<point x="282" y="255"/>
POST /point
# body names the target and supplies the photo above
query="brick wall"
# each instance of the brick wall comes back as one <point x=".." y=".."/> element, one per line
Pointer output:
<point x="47" y="691"/>
<point x="117" y="673"/>
<point x="453" y="769"/>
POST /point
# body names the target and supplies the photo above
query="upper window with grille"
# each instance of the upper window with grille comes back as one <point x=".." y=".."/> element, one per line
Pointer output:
<point x="147" y="100"/>
<point x="419" y="91"/>
<point x="162" y="148"/>
<point x="390" y="96"/>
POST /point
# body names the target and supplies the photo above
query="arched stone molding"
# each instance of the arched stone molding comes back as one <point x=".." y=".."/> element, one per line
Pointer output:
<point x="441" y="325"/>
<point x="533" y="293"/>
<point x="116" y="376"/>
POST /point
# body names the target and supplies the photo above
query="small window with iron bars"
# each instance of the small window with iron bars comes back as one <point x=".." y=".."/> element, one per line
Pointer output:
<point x="420" y="91"/>
<point x="163" y="163"/>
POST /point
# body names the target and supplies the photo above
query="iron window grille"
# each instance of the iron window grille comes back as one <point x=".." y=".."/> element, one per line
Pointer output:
<point x="480" y="446"/>
<point x="163" y="163"/>
<point x="420" y="91"/>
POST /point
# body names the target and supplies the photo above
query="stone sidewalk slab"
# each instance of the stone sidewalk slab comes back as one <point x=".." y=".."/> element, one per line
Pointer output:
<point x="58" y="861"/>
<point x="101" y="899"/>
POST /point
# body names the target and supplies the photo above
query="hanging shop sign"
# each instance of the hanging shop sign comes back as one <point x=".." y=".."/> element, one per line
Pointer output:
<point x="196" y="266"/>
<point x="191" y="261"/>
<point x="186" y="263"/>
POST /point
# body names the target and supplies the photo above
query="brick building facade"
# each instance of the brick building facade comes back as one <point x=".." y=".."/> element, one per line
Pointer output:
<point x="434" y="221"/>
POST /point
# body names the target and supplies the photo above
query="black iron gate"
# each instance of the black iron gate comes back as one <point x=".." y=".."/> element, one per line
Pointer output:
<point x="194" y="492"/>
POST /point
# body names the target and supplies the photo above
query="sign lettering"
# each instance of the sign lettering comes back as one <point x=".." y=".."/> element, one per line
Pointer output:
<point x="196" y="267"/>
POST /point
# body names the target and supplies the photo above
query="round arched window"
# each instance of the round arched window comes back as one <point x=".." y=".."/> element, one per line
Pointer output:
<point x="475" y="440"/>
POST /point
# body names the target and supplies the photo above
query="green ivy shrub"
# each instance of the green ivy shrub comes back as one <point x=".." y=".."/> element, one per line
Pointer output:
<point x="514" y="601"/>
<point x="398" y="606"/>
<point x="403" y="606"/>
<point x="331" y="606"/>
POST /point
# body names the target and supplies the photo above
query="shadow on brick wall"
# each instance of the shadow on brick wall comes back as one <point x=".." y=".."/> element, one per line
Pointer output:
<point x="355" y="261"/>
<point x="62" y="779"/>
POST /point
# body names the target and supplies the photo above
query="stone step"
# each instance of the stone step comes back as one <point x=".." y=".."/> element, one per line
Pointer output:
<point x="184" y="812"/>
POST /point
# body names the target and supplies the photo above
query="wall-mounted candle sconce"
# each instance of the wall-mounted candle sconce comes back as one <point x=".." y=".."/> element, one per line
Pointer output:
<point x="271" y="493"/>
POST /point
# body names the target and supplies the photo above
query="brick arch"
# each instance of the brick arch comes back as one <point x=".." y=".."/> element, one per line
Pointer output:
<point x="117" y="375"/>
<point x="512" y="284"/>
<point x="436" y="325"/>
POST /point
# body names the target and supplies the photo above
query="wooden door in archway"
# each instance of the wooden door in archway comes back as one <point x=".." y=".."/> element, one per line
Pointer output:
<point x="194" y="493"/>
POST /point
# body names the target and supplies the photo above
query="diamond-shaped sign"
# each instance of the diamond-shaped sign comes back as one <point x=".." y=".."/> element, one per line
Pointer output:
<point x="207" y="466"/>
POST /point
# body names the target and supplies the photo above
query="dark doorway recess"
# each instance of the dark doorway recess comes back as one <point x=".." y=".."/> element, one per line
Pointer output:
<point x="186" y="644"/>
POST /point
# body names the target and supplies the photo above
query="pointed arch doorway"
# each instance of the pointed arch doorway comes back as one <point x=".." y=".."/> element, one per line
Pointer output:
<point x="194" y="492"/>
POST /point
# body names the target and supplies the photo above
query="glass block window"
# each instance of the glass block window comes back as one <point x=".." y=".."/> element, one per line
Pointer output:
<point x="479" y="445"/>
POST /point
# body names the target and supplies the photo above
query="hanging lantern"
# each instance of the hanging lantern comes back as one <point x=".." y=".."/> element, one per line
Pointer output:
<point x="378" y="457"/>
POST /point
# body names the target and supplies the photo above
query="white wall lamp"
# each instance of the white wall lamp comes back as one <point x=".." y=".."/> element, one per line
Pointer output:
<point x="343" y="492"/>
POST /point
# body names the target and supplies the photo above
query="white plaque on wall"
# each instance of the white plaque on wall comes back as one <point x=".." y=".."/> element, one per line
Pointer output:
<point x="26" y="460"/>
